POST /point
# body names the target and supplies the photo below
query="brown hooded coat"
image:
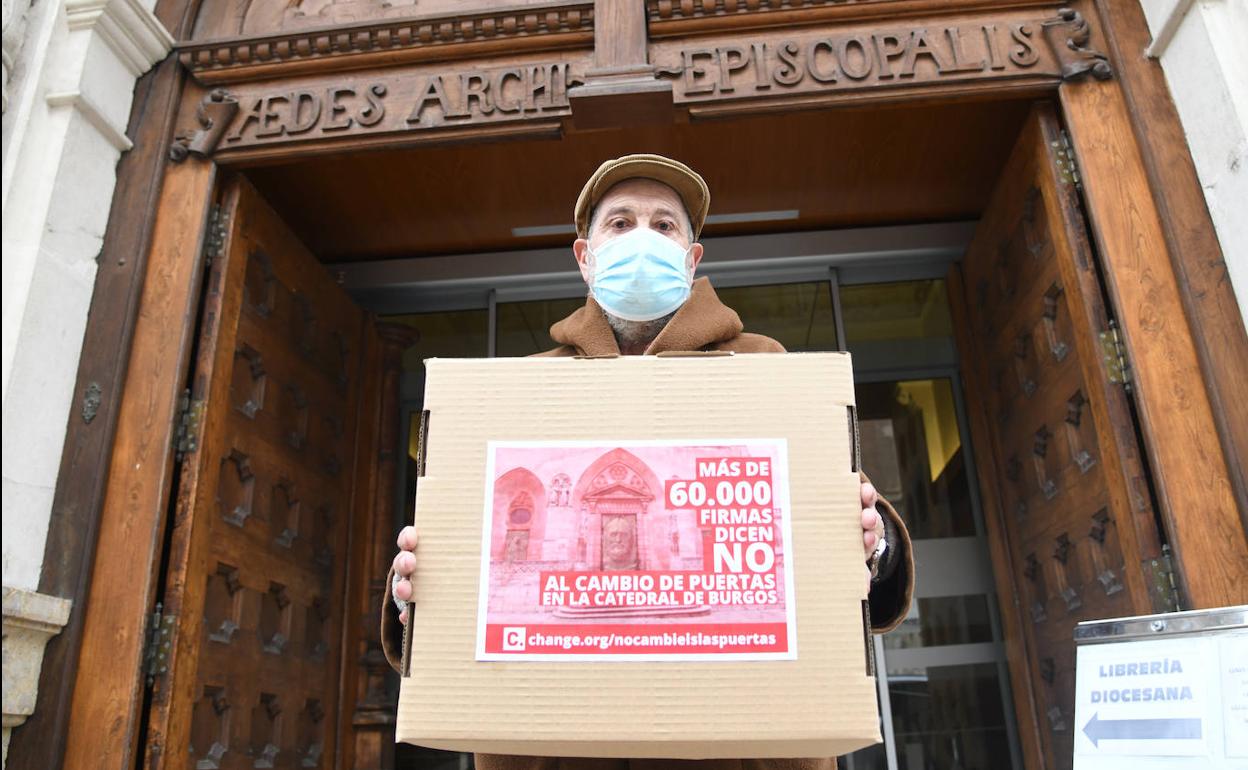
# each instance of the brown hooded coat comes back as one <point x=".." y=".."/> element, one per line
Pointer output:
<point x="702" y="323"/>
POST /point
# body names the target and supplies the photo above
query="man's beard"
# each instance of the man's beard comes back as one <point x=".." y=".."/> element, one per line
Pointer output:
<point x="637" y="333"/>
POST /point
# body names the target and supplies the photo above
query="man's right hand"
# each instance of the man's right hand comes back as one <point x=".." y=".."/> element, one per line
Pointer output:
<point x="404" y="565"/>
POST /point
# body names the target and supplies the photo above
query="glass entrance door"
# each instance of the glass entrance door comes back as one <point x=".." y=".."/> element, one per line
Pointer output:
<point x="799" y="315"/>
<point x="945" y="703"/>
<point x="944" y="677"/>
<point x="944" y="689"/>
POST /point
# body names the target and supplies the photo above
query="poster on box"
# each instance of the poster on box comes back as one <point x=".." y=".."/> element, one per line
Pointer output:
<point x="637" y="550"/>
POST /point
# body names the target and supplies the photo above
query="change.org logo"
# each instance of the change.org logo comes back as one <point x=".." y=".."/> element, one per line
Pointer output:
<point x="513" y="638"/>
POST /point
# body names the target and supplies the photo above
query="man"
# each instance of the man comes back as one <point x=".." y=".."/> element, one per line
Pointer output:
<point x="638" y="219"/>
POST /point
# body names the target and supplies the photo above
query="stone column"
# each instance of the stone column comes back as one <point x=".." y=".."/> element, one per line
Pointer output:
<point x="30" y="620"/>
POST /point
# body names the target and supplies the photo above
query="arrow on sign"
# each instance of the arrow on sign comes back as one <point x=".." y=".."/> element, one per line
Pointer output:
<point x="1098" y="730"/>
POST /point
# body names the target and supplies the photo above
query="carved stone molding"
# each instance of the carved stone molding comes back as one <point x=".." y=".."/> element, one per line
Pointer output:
<point x="129" y="28"/>
<point x="749" y="70"/>
<point x="322" y="13"/>
<point x="1068" y="34"/>
<point x="862" y="56"/>
<point x="214" y="115"/>
<point x="663" y="10"/>
<point x="678" y="18"/>
<point x="385" y="37"/>
<point x="30" y="620"/>
<point x="15" y="23"/>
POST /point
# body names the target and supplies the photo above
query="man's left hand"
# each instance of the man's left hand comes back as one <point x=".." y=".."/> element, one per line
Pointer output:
<point x="872" y="524"/>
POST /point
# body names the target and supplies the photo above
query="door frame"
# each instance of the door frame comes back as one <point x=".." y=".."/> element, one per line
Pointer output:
<point x="1160" y="257"/>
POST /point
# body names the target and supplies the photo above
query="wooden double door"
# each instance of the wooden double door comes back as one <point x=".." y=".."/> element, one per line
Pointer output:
<point x="1070" y="517"/>
<point x="281" y="528"/>
<point x="266" y="658"/>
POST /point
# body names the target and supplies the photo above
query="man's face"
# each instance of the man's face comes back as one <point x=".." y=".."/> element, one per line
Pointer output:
<point x="617" y="543"/>
<point x="632" y="204"/>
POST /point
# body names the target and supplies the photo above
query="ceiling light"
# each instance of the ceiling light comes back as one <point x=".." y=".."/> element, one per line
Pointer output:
<point x="529" y="232"/>
<point x="752" y="216"/>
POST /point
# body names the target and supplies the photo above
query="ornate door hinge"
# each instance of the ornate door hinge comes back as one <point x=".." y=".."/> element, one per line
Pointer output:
<point x="1162" y="585"/>
<point x="1064" y="157"/>
<point x="215" y="235"/>
<point x="186" y="425"/>
<point x="159" y="644"/>
<point x="1114" y="355"/>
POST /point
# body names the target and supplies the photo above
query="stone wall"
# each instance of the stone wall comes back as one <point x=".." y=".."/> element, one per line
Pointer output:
<point x="1200" y="44"/>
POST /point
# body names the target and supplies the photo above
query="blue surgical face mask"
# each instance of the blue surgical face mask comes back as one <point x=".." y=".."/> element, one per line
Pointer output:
<point x="640" y="276"/>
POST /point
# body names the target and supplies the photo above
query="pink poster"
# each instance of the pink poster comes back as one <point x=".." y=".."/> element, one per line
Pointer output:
<point x="637" y="550"/>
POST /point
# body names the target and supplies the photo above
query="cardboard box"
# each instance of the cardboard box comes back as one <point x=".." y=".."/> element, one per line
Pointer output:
<point x="640" y="557"/>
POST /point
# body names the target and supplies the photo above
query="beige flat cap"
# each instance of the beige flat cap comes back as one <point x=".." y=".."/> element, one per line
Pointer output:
<point x="685" y="181"/>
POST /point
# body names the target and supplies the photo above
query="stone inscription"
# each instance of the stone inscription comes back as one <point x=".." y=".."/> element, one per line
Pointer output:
<point x="817" y="61"/>
<point x="473" y="95"/>
<point x="856" y="59"/>
<point x="429" y="101"/>
<point x="299" y="112"/>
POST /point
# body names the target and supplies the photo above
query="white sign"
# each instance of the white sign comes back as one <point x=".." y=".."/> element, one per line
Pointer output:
<point x="1234" y="663"/>
<point x="1178" y="702"/>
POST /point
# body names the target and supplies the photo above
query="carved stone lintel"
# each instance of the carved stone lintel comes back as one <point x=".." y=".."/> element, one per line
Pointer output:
<point x="1068" y="34"/>
<point x="214" y="115"/>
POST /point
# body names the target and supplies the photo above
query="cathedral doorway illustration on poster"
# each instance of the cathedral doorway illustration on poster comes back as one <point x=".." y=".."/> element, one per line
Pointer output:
<point x="619" y="495"/>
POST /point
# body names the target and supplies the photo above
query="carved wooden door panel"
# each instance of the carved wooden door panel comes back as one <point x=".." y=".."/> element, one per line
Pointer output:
<point x="1073" y="523"/>
<point x="258" y="550"/>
